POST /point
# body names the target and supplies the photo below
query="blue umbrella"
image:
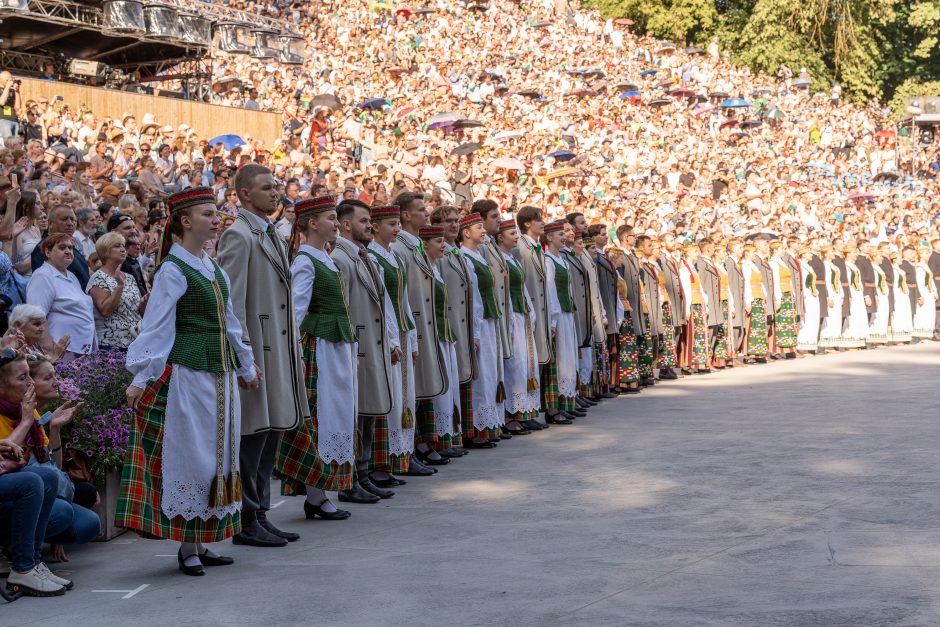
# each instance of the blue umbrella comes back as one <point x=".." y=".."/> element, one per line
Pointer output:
<point x="629" y="94"/>
<point x="646" y="73"/>
<point x="734" y="103"/>
<point x="562" y="155"/>
<point x="373" y="103"/>
<point x="229" y="141"/>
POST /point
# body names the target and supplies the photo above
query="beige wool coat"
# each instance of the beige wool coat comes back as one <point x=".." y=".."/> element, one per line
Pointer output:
<point x="460" y="311"/>
<point x="533" y="262"/>
<point x="259" y="270"/>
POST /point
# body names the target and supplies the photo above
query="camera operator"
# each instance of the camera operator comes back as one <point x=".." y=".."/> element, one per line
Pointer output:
<point x="9" y="105"/>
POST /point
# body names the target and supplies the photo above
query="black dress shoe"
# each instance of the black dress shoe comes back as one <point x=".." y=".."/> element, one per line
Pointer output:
<point x="505" y="435"/>
<point x="356" y="494"/>
<point x="590" y="402"/>
<point x="192" y="571"/>
<point x="217" y="560"/>
<point x="478" y="444"/>
<point x="668" y="375"/>
<point x="558" y="419"/>
<point x="313" y="511"/>
<point x="633" y="390"/>
<point x="256" y="535"/>
<point x="609" y="395"/>
<point x="425" y="457"/>
<point x="371" y="488"/>
<point x="417" y="469"/>
<point x="532" y="425"/>
<point x="391" y="482"/>
<point x="577" y="413"/>
<point x="450" y="453"/>
<point x="290" y="536"/>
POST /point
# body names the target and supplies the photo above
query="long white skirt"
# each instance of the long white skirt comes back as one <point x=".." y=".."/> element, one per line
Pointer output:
<point x="520" y="368"/>
<point x="566" y="355"/>
<point x="190" y="434"/>
<point x="337" y="400"/>
<point x="902" y="320"/>
<point x="487" y="413"/>
<point x="925" y="316"/>
<point x="856" y="330"/>
<point x="447" y="405"/>
<point x="878" y="331"/>
<point x="585" y="364"/>
<point x="808" y="337"/>
<point x="831" y="333"/>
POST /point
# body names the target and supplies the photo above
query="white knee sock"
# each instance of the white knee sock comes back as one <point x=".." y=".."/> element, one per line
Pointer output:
<point x="316" y="496"/>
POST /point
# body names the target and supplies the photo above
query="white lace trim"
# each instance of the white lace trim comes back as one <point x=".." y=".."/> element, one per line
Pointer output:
<point x="489" y="416"/>
<point x="523" y="401"/>
<point x="567" y="386"/>
<point x="336" y="446"/>
<point x="445" y="423"/>
<point x="190" y="500"/>
<point x="401" y="441"/>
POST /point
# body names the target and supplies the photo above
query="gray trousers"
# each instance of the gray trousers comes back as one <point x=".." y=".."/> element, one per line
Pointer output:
<point x="739" y="334"/>
<point x="256" y="458"/>
<point x="366" y="428"/>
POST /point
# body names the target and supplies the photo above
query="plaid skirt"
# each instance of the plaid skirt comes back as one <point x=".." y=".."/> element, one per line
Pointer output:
<point x="667" y="341"/>
<point x="786" y="328"/>
<point x="551" y="399"/>
<point x="756" y="345"/>
<point x="628" y="365"/>
<point x="466" y="413"/>
<point x="138" y="505"/>
<point x="298" y="464"/>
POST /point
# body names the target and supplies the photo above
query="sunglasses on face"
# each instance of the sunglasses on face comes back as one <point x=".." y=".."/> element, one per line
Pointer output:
<point x="8" y="355"/>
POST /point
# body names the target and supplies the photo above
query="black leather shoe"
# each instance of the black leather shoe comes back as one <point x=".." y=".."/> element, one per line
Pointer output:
<point x="313" y="511"/>
<point x="218" y="560"/>
<point x="608" y="395"/>
<point x="192" y="571"/>
<point x="581" y="404"/>
<point x="290" y="536"/>
<point x="577" y="413"/>
<point x="450" y="453"/>
<point x="391" y="482"/>
<point x="668" y="375"/>
<point x="256" y="535"/>
<point x="505" y="435"/>
<point x="477" y="444"/>
<point x="590" y="402"/>
<point x="532" y="425"/>
<point x="417" y="469"/>
<point x="558" y="419"/>
<point x="356" y="494"/>
<point x="371" y="488"/>
<point x="425" y="458"/>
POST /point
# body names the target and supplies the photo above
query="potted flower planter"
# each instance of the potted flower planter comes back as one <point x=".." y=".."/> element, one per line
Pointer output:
<point x="108" y="492"/>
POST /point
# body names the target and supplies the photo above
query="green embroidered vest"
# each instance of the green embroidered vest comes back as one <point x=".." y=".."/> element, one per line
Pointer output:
<point x="440" y="313"/>
<point x="395" y="284"/>
<point x="201" y="341"/>
<point x="561" y="286"/>
<point x="328" y="312"/>
<point x="516" y="285"/>
<point x="485" y="283"/>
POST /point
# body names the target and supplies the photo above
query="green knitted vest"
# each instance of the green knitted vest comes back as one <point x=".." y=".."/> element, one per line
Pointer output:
<point x="516" y="285"/>
<point x="396" y="282"/>
<point x="561" y="286"/>
<point x="201" y="341"/>
<point x="485" y="283"/>
<point x="440" y="313"/>
<point x="328" y="313"/>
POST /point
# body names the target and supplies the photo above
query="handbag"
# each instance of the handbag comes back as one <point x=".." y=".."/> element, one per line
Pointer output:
<point x="8" y="463"/>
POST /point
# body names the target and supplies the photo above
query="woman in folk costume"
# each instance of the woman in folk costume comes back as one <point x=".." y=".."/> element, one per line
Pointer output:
<point x="483" y="429"/>
<point x="697" y="328"/>
<point x="561" y="313"/>
<point x="667" y="359"/>
<point x="724" y="342"/>
<point x="924" y="315"/>
<point x="755" y="303"/>
<point x="830" y="336"/>
<point x="319" y="455"/>
<point x="808" y="338"/>
<point x="878" y="330"/>
<point x="786" y="327"/>
<point x="855" y="334"/>
<point x="395" y="434"/>
<point x="902" y="318"/>
<point x="627" y="366"/>
<point x="521" y="370"/>
<point x="447" y="405"/>
<point x="180" y="480"/>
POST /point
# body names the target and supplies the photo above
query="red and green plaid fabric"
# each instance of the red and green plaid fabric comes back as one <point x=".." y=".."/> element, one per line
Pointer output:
<point x="138" y="505"/>
<point x="549" y="380"/>
<point x="381" y="460"/>
<point x="298" y="464"/>
<point x="628" y="369"/>
<point x="466" y="413"/>
<point x="425" y="423"/>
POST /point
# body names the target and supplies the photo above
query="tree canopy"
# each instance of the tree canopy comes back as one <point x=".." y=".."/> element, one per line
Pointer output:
<point x="884" y="49"/>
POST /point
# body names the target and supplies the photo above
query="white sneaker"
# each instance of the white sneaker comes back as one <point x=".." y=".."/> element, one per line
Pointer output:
<point x="34" y="583"/>
<point x="51" y="576"/>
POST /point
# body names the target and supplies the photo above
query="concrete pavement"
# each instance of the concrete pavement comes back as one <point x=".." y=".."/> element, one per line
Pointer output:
<point x="797" y="493"/>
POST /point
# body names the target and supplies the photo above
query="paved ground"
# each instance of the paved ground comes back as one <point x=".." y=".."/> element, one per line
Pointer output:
<point x="797" y="493"/>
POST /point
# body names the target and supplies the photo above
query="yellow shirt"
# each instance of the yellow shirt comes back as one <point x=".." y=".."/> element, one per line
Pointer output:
<point x="7" y="425"/>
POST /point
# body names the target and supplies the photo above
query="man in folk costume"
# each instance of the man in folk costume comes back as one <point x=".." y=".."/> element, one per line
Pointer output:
<point x="640" y="307"/>
<point x="446" y="406"/>
<point x="868" y="278"/>
<point x="521" y="368"/>
<point x="180" y="480"/>
<point x="675" y="295"/>
<point x="377" y="334"/>
<point x="427" y="375"/>
<point x="319" y="456"/>
<point x="583" y="247"/>
<point x="762" y="244"/>
<point x="652" y="307"/>
<point x="710" y="280"/>
<point x="456" y="277"/>
<point x="562" y="377"/>
<point x="254" y="255"/>
<point x="756" y="295"/>
<point x="818" y="266"/>
<point x="395" y="433"/>
<point x="483" y="430"/>
<point x="583" y="315"/>
<point x="607" y="287"/>
<point x="736" y="286"/>
<point x="489" y="212"/>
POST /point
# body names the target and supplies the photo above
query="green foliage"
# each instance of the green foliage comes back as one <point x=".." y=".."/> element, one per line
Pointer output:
<point x="909" y="89"/>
